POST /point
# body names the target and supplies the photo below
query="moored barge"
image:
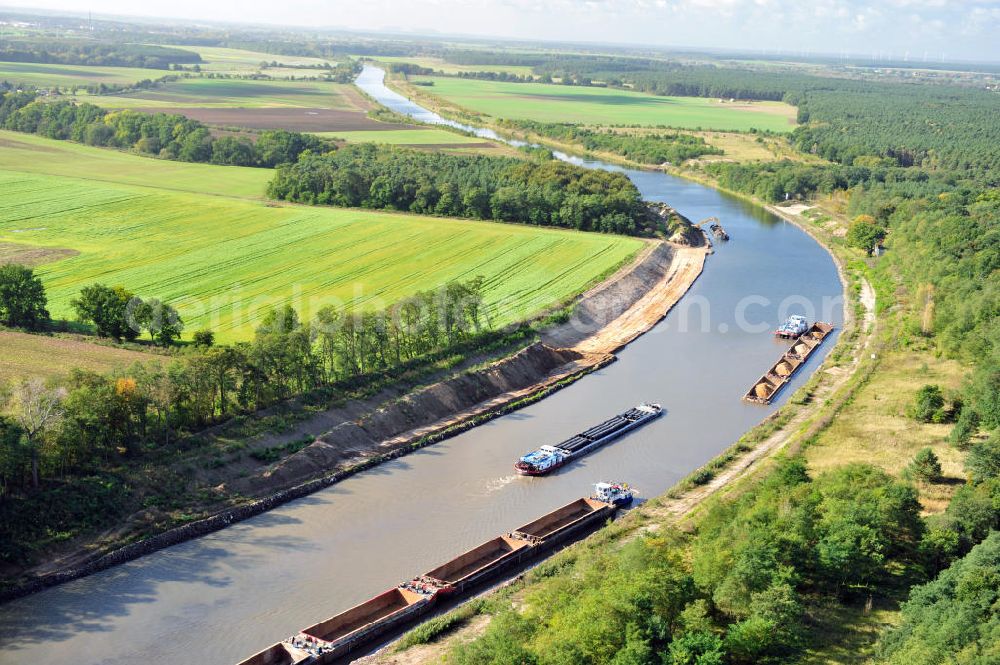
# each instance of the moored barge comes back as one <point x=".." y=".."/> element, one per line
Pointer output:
<point x="549" y="458"/>
<point x="357" y="627"/>
<point x="768" y="385"/>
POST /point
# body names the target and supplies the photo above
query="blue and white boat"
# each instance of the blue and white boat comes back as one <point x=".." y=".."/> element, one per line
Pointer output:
<point x="793" y="327"/>
<point x="617" y="494"/>
<point x="548" y="458"/>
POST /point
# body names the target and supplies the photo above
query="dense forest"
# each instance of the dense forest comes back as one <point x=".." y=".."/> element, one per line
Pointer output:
<point x="652" y="148"/>
<point x="937" y="127"/>
<point x="103" y="54"/>
<point x="545" y="193"/>
<point x="163" y="135"/>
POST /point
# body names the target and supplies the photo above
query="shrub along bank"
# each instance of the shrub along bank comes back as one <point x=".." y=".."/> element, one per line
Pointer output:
<point x="73" y="451"/>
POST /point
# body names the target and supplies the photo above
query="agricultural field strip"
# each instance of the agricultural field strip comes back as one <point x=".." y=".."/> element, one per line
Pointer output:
<point x="47" y="75"/>
<point x="222" y="59"/>
<point x="229" y="93"/>
<point x="180" y="247"/>
<point x="439" y="64"/>
<point x="35" y="154"/>
<point x="404" y="137"/>
<point x="218" y="60"/>
<point x="557" y="103"/>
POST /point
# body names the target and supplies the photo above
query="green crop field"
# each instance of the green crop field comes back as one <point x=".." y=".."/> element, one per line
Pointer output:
<point x="30" y="153"/>
<point x="64" y="76"/>
<point x="405" y="137"/>
<point x="605" y="106"/>
<point x="226" y="93"/>
<point x="240" y="61"/>
<point x="218" y="60"/>
<point x="224" y="260"/>
<point x="442" y="65"/>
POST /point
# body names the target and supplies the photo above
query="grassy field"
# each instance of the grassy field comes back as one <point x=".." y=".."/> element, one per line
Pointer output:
<point x="604" y="106"/>
<point x="44" y="76"/>
<point x="47" y="357"/>
<point x="225" y="260"/>
<point x="405" y="137"/>
<point x="874" y="428"/>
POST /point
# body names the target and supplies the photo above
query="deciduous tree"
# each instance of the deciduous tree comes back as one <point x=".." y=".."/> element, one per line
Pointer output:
<point x="22" y="298"/>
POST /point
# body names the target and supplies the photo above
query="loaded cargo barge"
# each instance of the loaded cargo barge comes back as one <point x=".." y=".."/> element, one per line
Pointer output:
<point x="333" y="639"/>
<point x="768" y="385"/>
<point x="549" y="458"/>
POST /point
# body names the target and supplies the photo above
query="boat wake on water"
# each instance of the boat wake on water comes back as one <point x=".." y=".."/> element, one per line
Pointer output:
<point x="497" y="484"/>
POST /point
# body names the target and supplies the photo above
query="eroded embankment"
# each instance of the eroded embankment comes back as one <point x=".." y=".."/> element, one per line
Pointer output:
<point x="606" y="318"/>
<point x="360" y="436"/>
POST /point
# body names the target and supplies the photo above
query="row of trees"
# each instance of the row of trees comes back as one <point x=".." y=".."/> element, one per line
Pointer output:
<point x="94" y="53"/>
<point x="164" y="135"/>
<point x="117" y="312"/>
<point x="645" y="148"/>
<point x="547" y="193"/>
<point x="98" y="419"/>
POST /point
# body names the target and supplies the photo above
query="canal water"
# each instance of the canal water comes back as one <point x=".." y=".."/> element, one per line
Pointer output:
<point x="222" y="597"/>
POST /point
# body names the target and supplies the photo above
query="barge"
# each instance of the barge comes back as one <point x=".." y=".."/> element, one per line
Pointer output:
<point x="333" y="639"/>
<point x="768" y="385"/>
<point x="476" y="564"/>
<point x="561" y="524"/>
<point x="549" y="458"/>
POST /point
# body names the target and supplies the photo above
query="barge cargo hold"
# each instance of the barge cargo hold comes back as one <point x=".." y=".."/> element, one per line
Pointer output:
<point x="560" y="524"/>
<point x="549" y="458"/>
<point x="335" y="637"/>
<point x="278" y="654"/>
<point x="467" y="569"/>
<point x="358" y="627"/>
<point x="768" y="385"/>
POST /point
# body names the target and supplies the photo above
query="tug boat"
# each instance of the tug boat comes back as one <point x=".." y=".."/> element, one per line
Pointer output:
<point x="548" y="458"/>
<point x="617" y="494"/>
<point x="793" y="327"/>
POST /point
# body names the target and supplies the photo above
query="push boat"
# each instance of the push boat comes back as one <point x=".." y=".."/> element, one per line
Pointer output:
<point x="617" y="494"/>
<point x="549" y="458"/>
<point x="358" y="628"/>
<point x="793" y="327"/>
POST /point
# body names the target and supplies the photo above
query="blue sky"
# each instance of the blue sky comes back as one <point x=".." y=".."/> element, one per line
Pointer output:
<point x="912" y="29"/>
